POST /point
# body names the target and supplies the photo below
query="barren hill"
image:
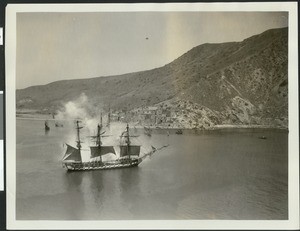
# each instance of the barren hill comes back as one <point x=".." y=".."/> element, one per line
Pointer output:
<point x="236" y="83"/>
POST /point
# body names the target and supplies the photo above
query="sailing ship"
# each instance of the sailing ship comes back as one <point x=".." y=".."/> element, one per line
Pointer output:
<point x="129" y="154"/>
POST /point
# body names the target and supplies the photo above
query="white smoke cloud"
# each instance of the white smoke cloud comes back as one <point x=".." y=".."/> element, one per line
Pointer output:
<point x="74" y="109"/>
<point x="80" y="109"/>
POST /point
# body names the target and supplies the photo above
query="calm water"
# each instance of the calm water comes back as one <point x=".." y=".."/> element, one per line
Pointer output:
<point x="228" y="174"/>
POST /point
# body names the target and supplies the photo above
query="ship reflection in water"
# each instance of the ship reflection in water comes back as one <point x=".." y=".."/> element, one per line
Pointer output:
<point x="202" y="175"/>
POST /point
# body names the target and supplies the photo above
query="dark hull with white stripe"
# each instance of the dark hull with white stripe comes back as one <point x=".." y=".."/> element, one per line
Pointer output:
<point x="98" y="165"/>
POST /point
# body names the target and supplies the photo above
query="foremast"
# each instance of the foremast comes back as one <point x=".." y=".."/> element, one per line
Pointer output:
<point x="98" y="150"/>
<point x="73" y="155"/>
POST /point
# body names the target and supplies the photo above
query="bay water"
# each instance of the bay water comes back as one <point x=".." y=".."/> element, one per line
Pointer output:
<point x="223" y="174"/>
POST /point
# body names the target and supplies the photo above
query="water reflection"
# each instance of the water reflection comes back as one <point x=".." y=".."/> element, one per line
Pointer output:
<point x="129" y="184"/>
<point x="96" y="187"/>
<point x="97" y="180"/>
<point x="73" y="204"/>
<point x="47" y="131"/>
<point x="73" y="179"/>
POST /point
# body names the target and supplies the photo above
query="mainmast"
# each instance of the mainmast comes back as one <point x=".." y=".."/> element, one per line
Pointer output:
<point x="99" y="149"/>
<point x="127" y="140"/>
<point x="99" y="128"/>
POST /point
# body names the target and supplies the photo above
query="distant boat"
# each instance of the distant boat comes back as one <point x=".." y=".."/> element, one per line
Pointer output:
<point x="262" y="137"/>
<point x="47" y="128"/>
<point x="147" y="131"/>
<point x="179" y="132"/>
<point x="129" y="154"/>
<point x="58" y="124"/>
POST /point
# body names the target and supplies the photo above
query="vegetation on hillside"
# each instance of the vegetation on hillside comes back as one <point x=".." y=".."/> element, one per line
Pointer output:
<point x="238" y="82"/>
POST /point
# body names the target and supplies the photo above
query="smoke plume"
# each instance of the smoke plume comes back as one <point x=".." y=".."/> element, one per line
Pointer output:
<point x="89" y="117"/>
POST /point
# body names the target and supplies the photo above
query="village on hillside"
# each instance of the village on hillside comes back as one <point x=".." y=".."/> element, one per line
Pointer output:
<point x="177" y="114"/>
<point x="180" y="114"/>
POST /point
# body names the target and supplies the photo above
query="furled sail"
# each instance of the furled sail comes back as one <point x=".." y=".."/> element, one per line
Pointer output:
<point x="72" y="154"/>
<point x="101" y="150"/>
<point x="133" y="150"/>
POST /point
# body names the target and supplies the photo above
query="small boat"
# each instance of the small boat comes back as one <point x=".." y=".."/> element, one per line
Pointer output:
<point x="129" y="154"/>
<point x="47" y="128"/>
<point x="58" y="124"/>
<point x="147" y="131"/>
<point x="262" y="137"/>
<point x="179" y="132"/>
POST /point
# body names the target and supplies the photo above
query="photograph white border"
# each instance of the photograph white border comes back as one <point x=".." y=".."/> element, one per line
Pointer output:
<point x="293" y="159"/>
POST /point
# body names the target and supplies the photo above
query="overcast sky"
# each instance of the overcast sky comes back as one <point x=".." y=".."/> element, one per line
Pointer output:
<point x="57" y="46"/>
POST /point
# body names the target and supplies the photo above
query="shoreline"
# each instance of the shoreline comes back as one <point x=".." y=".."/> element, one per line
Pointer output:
<point x="230" y="126"/>
<point x="31" y="116"/>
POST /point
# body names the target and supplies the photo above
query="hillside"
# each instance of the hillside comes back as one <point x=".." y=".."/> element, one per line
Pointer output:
<point x="228" y="83"/>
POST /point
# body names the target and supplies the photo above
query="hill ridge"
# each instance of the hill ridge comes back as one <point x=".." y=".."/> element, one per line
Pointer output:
<point x="240" y="82"/>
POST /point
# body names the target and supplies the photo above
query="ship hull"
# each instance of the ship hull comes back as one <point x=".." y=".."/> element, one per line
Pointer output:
<point x="97" y="165"/>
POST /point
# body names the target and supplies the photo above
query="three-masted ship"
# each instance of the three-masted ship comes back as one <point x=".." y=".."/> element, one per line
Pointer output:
<point x="128" y="155"/>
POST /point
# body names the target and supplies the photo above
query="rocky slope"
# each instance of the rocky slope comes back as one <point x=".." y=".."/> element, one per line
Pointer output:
<point x="230" y="83"/>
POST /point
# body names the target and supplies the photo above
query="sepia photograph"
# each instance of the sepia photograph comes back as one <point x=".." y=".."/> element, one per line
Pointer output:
<point x="152" y="116"/>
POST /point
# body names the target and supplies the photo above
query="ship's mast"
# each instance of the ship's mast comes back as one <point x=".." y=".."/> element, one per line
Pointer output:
<point x="101" y="119"/>
<point x="108" y="116"/>
<point x="78" y="136"/>
<point x="98" y="139"/>
<point x="128" y="141"/>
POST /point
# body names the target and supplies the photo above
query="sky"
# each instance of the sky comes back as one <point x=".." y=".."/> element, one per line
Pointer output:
<point x="58" y="46"/>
